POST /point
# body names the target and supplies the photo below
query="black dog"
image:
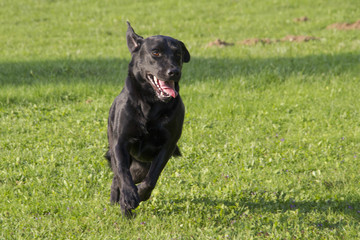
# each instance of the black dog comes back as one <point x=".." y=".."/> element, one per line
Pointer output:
<point x="146" y="118"/>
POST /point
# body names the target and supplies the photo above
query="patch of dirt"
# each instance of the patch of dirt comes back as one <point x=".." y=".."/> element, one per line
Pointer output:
<point x="292" y="38"/>
<point x="301" y="19"/>
<point x="219" y="43"/>
<point x="289" y="38"/>
<point x="345" y="26"/>
<point x="253" y="41"/>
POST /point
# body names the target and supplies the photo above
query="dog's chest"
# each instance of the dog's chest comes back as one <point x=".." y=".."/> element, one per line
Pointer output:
<point x="147" y="146"/>
<point x="157" y="128"/>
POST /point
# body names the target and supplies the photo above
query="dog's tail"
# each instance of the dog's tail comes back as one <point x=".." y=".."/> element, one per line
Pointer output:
<point x="177" y="152"/>
<point x="108" y="157"/>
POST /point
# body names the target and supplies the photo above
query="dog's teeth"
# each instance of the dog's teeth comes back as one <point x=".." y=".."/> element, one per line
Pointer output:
<point x="156" y="82"/>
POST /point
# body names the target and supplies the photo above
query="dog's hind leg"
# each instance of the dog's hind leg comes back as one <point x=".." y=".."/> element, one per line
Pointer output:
<point x="139" y="171"/>
<point x="115" y="191"/>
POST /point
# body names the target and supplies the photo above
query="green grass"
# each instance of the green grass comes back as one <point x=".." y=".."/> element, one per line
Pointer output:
<point x="271" y="136"/>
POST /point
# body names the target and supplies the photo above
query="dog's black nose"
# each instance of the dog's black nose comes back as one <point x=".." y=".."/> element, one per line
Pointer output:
<point x="174" y="72"/>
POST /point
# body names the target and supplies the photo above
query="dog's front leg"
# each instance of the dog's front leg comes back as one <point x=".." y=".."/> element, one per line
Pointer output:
<point x="129" y="198"/>
<point x="148" y="184"/>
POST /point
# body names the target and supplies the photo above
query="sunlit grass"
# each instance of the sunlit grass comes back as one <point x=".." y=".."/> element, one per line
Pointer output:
<point x="271" y="136"/>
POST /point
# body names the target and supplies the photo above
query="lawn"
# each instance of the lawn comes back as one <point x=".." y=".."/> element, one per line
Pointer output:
<point x="271" y="139"/>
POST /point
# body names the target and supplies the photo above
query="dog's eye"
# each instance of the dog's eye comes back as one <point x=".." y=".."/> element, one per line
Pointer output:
<point x="156" y="53"/>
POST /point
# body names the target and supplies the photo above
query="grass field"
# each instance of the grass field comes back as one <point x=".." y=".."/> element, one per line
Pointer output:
<point x="271" y="140"/>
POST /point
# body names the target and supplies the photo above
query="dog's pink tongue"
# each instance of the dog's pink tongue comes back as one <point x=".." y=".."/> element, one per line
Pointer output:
<point x="169" y="88"/>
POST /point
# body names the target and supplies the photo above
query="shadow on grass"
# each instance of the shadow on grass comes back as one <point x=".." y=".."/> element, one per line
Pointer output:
<point x="114" y="71"/>
<point x="255" y="206"/>
<point x="63" y="71"/>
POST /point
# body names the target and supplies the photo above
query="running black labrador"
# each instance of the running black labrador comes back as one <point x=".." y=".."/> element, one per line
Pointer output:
<point x="146" y="118"/>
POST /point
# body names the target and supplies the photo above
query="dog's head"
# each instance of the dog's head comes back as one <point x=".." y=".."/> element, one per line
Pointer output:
<point x="157" y="62"/>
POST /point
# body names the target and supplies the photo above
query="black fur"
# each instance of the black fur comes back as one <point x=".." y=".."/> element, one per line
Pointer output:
<point x="145" y="120"/>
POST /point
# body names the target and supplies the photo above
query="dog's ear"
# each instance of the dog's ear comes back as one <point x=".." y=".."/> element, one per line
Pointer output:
<point x="134" y="41"/>
<point x="185" y="52"/>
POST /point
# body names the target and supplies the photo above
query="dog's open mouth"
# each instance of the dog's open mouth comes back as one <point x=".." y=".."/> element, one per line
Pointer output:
<point x="164" y="89"/>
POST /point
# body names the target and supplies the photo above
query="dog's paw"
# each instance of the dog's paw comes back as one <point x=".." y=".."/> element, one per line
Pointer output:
<point x="128" y="213"/>
<point x="144" y="191"/>
<point x="129" y="199"/>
